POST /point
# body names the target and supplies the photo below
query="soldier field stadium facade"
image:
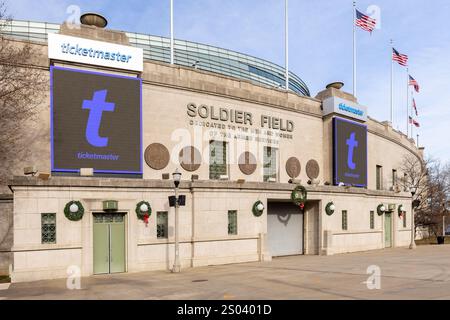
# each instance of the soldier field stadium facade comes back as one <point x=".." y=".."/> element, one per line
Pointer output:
<point x="265" y="172"/>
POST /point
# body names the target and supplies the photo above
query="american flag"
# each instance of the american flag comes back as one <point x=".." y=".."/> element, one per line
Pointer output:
<point x="414" y="122"/>
<point x="413" y="82"/>
<point x="365" y="22"/>
<point x="415" y="106"/>
<point x="402" y="59"/>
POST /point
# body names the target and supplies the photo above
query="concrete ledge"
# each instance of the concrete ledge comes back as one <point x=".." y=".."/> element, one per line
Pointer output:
<point x="118" y="183"/>
<point x="194" y="241"/>
<point x="6" y="197"/>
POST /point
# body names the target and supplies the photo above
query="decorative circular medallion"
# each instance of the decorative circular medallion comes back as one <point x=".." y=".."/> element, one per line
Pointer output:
<point x="190" y="158"/>
<point x="247" y="163"/>
<point x="157" y="156"/>
<point x="293" y="167"/>
<point x="312" y="169"/>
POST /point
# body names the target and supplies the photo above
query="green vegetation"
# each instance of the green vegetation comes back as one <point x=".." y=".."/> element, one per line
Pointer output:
<point x="5" y="279"/>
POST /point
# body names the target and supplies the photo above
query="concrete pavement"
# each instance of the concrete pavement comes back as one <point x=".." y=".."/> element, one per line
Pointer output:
<point x="423" y="273"/>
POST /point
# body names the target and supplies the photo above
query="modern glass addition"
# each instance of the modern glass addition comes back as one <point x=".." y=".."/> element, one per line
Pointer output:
<point x="270" y="164"/>
<point x="217" y="159"/>
<point x="188" y="54"/>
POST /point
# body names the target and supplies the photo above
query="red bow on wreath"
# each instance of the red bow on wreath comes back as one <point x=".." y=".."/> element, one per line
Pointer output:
<point x="146" y="216"/>
<point x="302" y="206"/>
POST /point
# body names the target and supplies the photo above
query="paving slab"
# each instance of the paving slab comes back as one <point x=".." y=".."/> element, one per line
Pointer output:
<point x="423" y="273"/>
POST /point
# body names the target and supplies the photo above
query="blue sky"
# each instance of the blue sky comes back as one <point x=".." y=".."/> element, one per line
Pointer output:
<point x="320" y="44"/>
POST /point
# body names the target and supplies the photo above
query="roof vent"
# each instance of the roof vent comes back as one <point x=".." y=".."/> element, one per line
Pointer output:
<point x="335" y="85"/>
<point x="93" y="19"/>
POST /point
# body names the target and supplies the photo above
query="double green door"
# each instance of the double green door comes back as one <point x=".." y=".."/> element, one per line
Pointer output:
<point x="109" y="243"/>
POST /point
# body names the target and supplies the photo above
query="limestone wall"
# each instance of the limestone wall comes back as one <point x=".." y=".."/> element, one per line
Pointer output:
<point x="6" y="232"/>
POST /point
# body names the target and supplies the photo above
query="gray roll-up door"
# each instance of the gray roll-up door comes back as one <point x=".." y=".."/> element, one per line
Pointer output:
<point x="284" y="229"/>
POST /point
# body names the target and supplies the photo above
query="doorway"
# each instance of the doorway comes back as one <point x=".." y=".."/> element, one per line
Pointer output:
<point x="284" y="229"/>
<point x="388" y="230"/>
<point x="109" y="243"/>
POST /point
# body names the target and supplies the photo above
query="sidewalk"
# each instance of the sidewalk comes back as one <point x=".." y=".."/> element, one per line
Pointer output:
<point x="423" y="273"/>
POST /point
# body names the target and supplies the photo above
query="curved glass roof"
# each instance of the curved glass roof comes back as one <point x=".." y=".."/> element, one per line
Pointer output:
<point x="187" y="53"/>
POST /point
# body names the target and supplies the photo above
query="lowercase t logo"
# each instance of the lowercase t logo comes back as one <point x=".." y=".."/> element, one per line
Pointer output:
<point x="350" y="153"/>
<point x="352" y="143"/>
<point x="96" y="106"/>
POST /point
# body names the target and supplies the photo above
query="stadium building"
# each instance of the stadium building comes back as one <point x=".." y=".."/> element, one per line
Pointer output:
<point x="265" y="172"/>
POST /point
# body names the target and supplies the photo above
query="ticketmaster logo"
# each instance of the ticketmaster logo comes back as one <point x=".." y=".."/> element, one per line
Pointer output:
<point x="344" y="107"/>
<point x="68" y="48"/>
<point x="95" y="156"/>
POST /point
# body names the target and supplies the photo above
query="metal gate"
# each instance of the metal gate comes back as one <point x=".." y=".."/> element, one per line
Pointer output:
<point x="284" y="229"/>
<point x="109" y="243"/>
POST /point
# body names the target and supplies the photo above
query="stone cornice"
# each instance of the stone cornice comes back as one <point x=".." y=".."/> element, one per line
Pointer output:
<point x="196" y="186"/>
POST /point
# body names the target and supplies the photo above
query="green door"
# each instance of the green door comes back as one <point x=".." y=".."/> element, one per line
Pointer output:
<point x="101" y="248"/>
<point x="109" y="243"/>
<point x="388" y="230"/>
<point x="117" y="251"/>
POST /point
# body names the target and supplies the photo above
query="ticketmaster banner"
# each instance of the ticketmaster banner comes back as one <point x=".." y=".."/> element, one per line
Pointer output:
<point x="344" y="107"/>
<point x="67" y="48"/>
<point x="96" y="122"/>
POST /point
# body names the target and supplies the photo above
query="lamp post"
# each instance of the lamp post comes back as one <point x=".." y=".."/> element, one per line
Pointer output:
<point x="413" y="243"/>
<point x="176" y="181"/>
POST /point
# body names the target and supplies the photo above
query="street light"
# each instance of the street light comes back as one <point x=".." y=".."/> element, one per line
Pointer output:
<point x="176" y="181"/>
<point x="413" y="243"/>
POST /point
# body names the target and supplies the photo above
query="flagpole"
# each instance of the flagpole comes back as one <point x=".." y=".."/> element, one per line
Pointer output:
<point x="286" y="42"/>
<point x="354" y="49"/>
<point x="392" y="85"/>
<point x="412" y="117"/>
<point x="407" y="102"/>
<point x="171" y="33"/>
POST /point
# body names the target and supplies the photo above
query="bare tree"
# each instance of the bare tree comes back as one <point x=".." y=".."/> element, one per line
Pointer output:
<point x="415" y="175"/>
<point x="21" y="86"/>
<point x="431" y="179"/>
<point x="438" y="197"/>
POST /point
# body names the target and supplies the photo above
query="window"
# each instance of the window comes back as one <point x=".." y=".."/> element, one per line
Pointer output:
<point x="232" y="222"/>
<point x="344" y="220"/>
<point x="394" y="177"/>
<point x="48" y="228"/>
<point x="162" y="225"/>
<point x="405" y="182"/>
<point x="404" y="219"/>
<point x="270" y="164"/>
<point x="217" y="159"/>
<point x="379" y="178"/>
<point x="372" y="220"/>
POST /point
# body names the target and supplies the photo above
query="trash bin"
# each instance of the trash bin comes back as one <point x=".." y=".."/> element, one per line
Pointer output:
<point x="440" y="239"/>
